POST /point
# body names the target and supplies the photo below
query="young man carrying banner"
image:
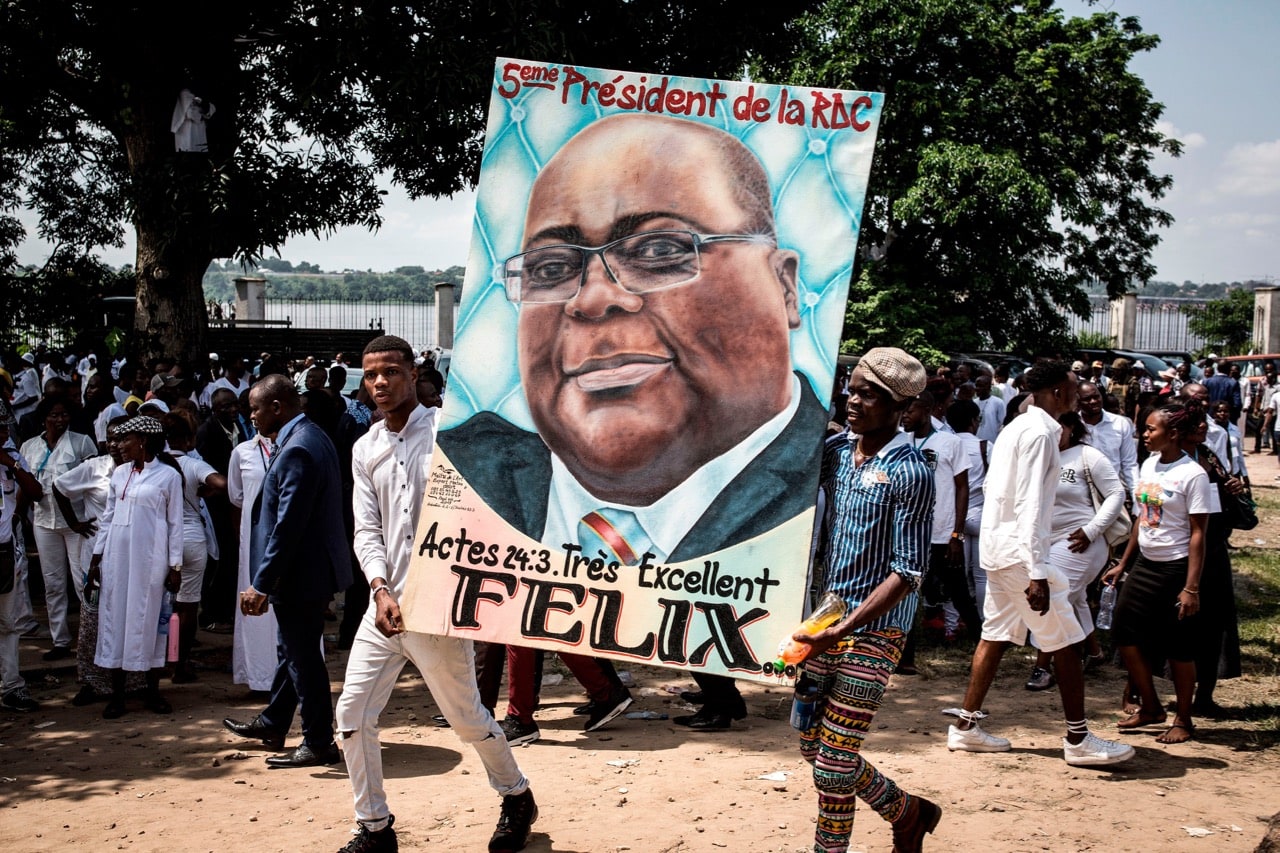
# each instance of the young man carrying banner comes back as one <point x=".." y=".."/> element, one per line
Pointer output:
<point x="390" y="465"/>
<point x="879" y="520"/>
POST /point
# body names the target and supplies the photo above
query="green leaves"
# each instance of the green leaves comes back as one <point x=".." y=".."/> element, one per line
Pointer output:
<point x="1013" y="164"/>
<point x="313" y="103"/>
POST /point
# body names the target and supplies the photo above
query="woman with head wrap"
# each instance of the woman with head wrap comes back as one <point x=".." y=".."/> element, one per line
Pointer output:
<point x="137" y="558"/>
<point x="91" y="483"/>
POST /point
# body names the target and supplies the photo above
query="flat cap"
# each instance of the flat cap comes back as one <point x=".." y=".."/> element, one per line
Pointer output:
<point x="895" y="370"/>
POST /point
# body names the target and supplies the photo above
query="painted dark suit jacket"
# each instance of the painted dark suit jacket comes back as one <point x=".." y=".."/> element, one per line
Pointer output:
<point x="510" y="469"/>
<point x="299" y="550"/>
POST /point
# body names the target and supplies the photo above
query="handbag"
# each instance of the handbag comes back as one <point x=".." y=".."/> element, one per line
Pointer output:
<point x="1118" y="531"/>
<point x="1239" y="511"/>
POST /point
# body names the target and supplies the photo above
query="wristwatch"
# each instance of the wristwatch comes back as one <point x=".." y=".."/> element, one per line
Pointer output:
<point x="955" y="535"/>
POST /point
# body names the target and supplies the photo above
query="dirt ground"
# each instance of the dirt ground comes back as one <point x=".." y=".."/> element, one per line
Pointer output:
<point x="183" y="783"/>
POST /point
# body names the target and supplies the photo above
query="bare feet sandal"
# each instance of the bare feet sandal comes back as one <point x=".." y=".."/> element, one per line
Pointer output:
<point x="1140" y="718"/>
<point x="1178" y="733"/>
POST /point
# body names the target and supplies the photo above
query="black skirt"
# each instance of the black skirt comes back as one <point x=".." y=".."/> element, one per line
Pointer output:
<point x="1147" y="614"/>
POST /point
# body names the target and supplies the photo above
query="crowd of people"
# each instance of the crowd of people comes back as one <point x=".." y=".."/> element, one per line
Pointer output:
<point x="245" y="500"/>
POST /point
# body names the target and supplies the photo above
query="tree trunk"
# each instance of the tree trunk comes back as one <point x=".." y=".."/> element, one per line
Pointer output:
<point x="170" y="318"/>
<point x="171" y="222"/>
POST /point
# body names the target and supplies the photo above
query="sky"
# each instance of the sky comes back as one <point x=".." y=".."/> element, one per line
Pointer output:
<point x="1214" y="71"/>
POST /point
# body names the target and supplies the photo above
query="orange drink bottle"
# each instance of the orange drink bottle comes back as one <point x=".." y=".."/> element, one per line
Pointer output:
<point x="830" y="610"/>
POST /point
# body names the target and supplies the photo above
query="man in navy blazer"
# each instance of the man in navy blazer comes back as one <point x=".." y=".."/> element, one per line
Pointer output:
<point x="299" y="555"/>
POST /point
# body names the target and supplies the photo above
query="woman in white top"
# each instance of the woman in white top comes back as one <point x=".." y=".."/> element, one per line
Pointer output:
<point x="137" y="558"/>
<point x="1089" y="497"/>
<point x="50" y="455"/>
<point x="199" y="480"/>
<point x="253" y="660"/>
<point x="1155" y="613"/>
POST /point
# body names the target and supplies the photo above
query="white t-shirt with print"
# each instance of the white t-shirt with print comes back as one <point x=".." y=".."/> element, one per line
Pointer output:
<point x="1166" y="497"/>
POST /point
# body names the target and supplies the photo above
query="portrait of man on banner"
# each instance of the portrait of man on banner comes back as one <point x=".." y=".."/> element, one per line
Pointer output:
<point x="628" y="454"/>
<point x="655" y="315"/>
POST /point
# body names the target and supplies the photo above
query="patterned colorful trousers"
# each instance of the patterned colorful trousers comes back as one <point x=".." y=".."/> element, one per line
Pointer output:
<point x="852" y="674"/>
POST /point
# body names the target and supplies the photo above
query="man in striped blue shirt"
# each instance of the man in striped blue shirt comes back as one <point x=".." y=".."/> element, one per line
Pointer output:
<point x="880" y="496"/>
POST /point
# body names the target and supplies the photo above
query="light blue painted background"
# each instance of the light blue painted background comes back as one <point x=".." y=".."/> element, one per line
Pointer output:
<point x="818" y="178"/>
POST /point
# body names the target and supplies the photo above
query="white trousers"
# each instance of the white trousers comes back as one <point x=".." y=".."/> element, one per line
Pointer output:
<point x="10" y="676"/>
<point x="447" y="665"/>
<point x="60" y="551"/>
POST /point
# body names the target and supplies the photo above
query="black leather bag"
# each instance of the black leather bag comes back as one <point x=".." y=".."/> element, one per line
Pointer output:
<point x="1239" y="511"/>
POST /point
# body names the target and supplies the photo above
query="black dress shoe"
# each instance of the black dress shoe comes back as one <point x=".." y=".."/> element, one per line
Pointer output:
<point x="705" y="721"/>
<point x="694" y="697"/>
<point x="305" y="756"/>
<point x="256" y="729"/>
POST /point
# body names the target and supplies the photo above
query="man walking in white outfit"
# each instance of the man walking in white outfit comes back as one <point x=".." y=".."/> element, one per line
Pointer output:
<point x="1024" y="591"/>
<point x="390" y="463"/>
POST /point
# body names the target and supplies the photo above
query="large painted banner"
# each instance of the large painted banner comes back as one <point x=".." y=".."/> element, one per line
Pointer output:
<point x="627" y="462"/>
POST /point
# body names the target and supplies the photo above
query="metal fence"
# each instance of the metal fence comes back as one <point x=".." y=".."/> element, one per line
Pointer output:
<point x="415" y="321"/>
<point x="1162" y="323"/>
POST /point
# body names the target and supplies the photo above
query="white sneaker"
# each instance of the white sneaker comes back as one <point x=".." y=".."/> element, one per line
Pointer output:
<point x="974" y="740"/>
<point x="1093" y="751"/>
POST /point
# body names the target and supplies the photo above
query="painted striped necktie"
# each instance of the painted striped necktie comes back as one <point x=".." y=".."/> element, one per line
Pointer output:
<point x="614" y="532"/>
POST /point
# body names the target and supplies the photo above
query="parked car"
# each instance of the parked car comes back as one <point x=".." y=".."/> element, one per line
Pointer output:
<point x="1250" y="365"/>
<point x="955" y="359"/>
<point x="1017" y="365"/>
<point x="1154" y="364"/>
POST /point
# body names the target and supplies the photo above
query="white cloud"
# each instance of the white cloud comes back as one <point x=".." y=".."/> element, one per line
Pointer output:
<point x="1242" y="219"/>
<point x="1252" y="169"/>
<point x="1190" y="141"/>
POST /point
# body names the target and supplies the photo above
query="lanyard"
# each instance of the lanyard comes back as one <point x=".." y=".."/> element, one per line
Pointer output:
<point x="45" y="461"/>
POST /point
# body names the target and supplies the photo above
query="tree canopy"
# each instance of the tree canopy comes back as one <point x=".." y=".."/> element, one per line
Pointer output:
<point x="1013" y="164"/>
<point x="311" y="102"/>
<point x="1226" y="324"/>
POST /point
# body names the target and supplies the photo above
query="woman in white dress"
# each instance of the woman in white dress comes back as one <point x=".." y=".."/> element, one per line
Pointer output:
<point x="91" y="483"/>
<point x="137" y="558"/>
<point x="1078" y="547"/>
<point x="253" y="660"/>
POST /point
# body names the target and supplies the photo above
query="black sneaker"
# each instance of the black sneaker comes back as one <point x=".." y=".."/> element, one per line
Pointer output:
<point x="518" y="732"/>
<point x="519" y="811"/>
<point x="604" y="711"/>
<point x="382" y="841"/>
<point x="18" y="699"/>
<point x="58" y="653"/>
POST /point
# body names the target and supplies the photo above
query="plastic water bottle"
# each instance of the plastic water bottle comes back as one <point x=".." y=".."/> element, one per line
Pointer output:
<point x="830" y="610"/>
<point x="172" y="656"/>
<point x="166" y="611"/>
<point x="805" y="704"/>
<point x="1106" y="606"/>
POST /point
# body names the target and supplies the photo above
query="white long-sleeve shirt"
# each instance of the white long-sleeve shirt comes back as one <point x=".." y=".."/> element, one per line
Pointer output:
<point x="390" y="471"/>
<point x="1022" y="481"/>
<point x="1113" y="435"/>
